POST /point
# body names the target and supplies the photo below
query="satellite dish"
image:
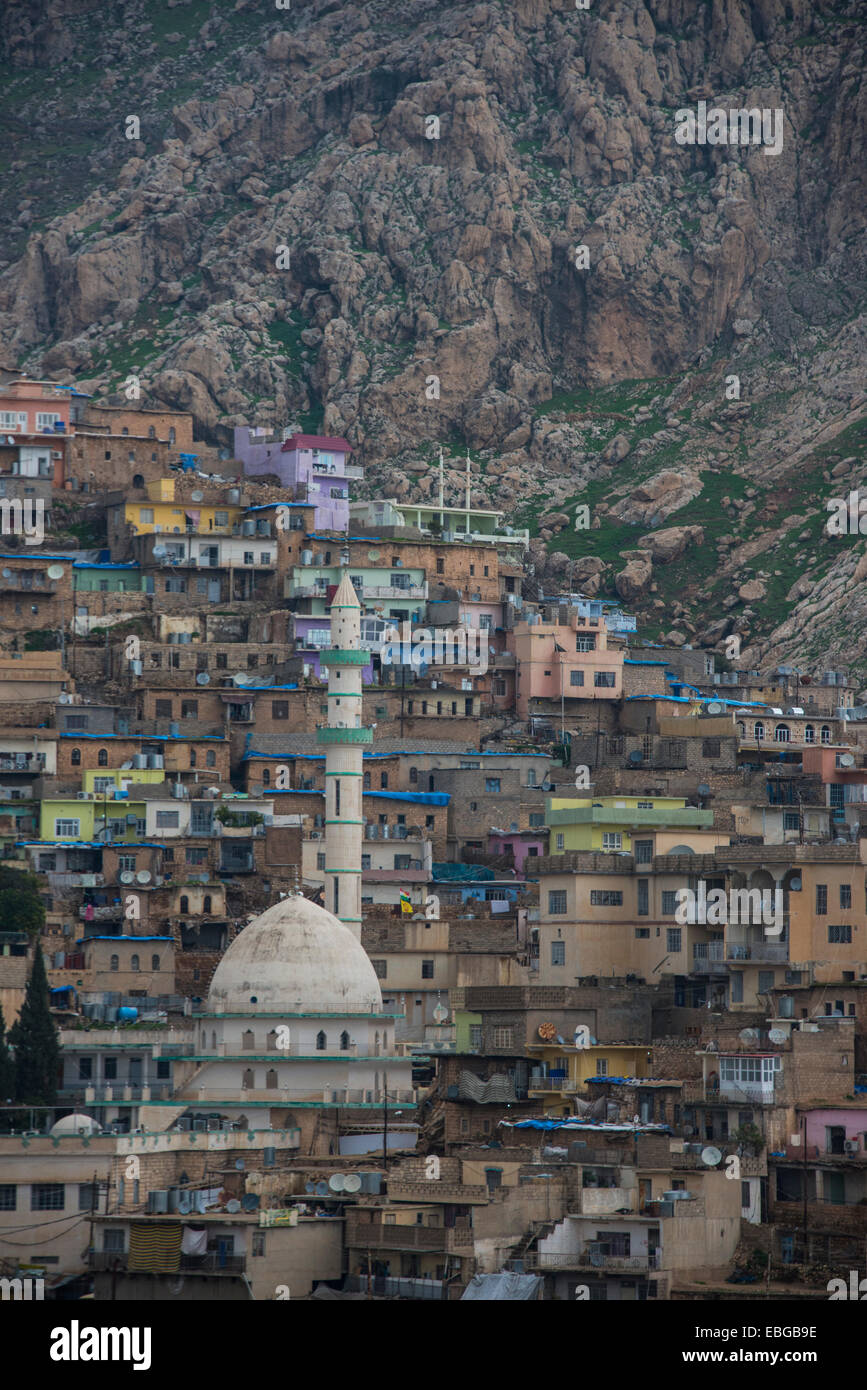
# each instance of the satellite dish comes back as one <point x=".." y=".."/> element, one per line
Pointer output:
<point x="127" y="876"/>
<point x="55" y="571"/>
<point x="636" y="757"/>
<point x="704" y="789"/>
<point x="125" y="767"/>
<point x="196" y="496"/>
<point x="143" y="876"/>
<point x="336" y="1181"/>
<point x="711" y="1156"/>
<point x="203" y="678"/>
<point x="233" y="1206"/>
<point x="847" y="760"/>
<point x="440" y="1013"/>
<point x="240" y="678"/>
<point x="63" y="699"/>
<point x="749" y="1036"/>
<point x="714" y="707"/>
<point x="794" y="885"/>
<point x="160" y="552"/>
<point x="239" y="1164"/>
<point x="352" y="1183"/>
<point x="778" y="1036"/>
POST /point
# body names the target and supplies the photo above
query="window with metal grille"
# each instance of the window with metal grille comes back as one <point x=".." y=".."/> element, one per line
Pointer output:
<point x="558" y="952"/>
<point x="47" y="1196"/>
<point x="605" y="897"/>
<point x="557" y="902"/>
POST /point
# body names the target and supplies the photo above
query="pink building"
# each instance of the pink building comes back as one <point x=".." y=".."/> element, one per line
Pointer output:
<point x="524" y="845"/>
<point x="565" y="661"/>
<point x="34" y="427"/>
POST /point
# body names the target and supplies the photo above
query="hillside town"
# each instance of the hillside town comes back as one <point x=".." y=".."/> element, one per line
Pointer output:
<point x="369" y="909"/>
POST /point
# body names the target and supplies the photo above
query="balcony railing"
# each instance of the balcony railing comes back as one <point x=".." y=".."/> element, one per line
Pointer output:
<point x="372" y="1235"/>
<point x="582" y="1259"/>
<point x="22" y="762"/>
<point x="211" y="1263"/>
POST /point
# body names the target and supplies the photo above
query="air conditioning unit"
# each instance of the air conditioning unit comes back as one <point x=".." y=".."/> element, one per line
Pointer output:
<point x="851" y="1146"/>
<point x="82" y="796"/>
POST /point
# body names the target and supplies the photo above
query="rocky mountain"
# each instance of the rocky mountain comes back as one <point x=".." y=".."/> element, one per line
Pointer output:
<point x="471" y="226"/>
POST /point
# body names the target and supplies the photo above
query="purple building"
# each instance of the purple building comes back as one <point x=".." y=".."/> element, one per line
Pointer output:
<point x="313" y="465"/>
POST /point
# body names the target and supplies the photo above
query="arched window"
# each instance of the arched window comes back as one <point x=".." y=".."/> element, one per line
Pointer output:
<point x="134" y="963"/>
<point x="781" y="733"/>
<point x="383" y="781"/>
<point x="155" y="962"/>
<point x="114" y="964"/>
<point x="102" y="757"/>
<point x="204" y="1040"/>
<point x="137" y="480"/>
<point x="321" y="1042"/>
<point x="76" y="757"/>
<point x="742" y="728"/>
<point x="825" y="734"/>
<point x="152" y="432"/>
<point x="809" y="733"/>
<point x="344" y="1041"/>
<point x="271" y="1045"/>
<point x="214" y="1039"/>
<point x="271" y="1080"/>
<point x="366" y="782"/>
<point x="171" y="434"/>
<point x="266" y="776"/>
<point x="247" y="1081"/>
<point x="206" y="903"/>
<point x="192" y="757"/>
<point x="185" y="903"/>
<point x="125" y="429"/>
<point x="758" y="730"/>
<point x="413" y="774"/>
<point x="210" y="758"/>
<point x="248" y="1041"/>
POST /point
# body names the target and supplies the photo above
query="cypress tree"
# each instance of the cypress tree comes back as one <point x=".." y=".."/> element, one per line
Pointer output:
<point x="7" y="1075"/>
<point x="35" y="1042"/>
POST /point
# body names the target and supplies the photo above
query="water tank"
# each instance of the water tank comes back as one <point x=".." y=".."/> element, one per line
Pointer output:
<point x="155" y="760"/>
<point x="234" y="495"/>
<point x="307" y="557"/>
<point x="174" y="729"/>
<point x="158" y="1202"/>
<point x="139" y="760"/>
<point x="127" y="1014"/>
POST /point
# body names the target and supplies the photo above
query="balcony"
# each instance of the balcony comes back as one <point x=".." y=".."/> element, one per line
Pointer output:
<point x="22" y="762"/>
<point x="582" y="1259"/>
<point x="456" y="1194"/>
<point x="556" y="1084"/>
<point x="727" y="1094"/>
<point x="107" y="913"/>
<point x="212" y="1263"/>
<point x="371" y="1235"/>
<point x="389" y="1286"/>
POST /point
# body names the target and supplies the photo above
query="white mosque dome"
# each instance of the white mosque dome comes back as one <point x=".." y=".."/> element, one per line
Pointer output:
<point x="76" y="1124"/>
<point x="295" y="957"/>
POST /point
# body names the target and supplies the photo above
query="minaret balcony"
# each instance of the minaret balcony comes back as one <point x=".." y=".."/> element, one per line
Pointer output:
<point x="325" y="734"/>
<point x="339" y="656"/>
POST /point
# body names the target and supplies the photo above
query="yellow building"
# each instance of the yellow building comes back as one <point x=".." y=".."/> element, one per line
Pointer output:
<point x="613" y="823"/>
<point x="163" y="514"/>
<point x="562" y="1070"/>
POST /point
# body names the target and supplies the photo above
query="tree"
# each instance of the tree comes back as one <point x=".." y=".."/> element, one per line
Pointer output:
<point x="21" y="905"/>
<point x="7" y="1068"/>
<point x="35" y="1042"/>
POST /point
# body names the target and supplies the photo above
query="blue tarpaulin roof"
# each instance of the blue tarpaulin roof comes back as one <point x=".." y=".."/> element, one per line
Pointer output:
<point x="504" y="1287"/>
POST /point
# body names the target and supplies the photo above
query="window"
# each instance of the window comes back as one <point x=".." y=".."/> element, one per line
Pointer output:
<point x="643" y="851"/>
<point x="561" y="839"/>
<point x="644" y="897"/>
<point x="710" y="748"/>
<point x="673" y="939"/>
<point x="558" y="952"/>
<point x="114" y="963"/>
<point x="145" y="514"/>
<point x="112" y="1240"/>
<point x="821" y="899"/>
<point x="279" y="709"/>
<point x="503" y="1037"/>
<point x="321" y="1042"/>
<point x="766" y="981"/>
<point x="383" y="780"/>
<point x="845" y="895"/>
<point x="164" y="709"/>
<point x="791" y="820"/>
<point x="809" y="733"/>
<point x="642" y="933"/>
<point x="475" y="1037"/>
<point x="134" y="963"/>
<point x="249" y="557"/>
<point x="102" y="757"/>
<point x="605" y="897"/>
<point x="169" y="820"/>
<point x="75" y="759"/>
<point x="8" y="1196"/>
<point x="840" y="934"/>
<point x="155" y="962"/>
<point x="576" y="677"/>
<point x="825" y="734"/>
<point x="492" y="784"/>
<point x="604" y="679"/>
<point x="320" y="860"/>
<point x="601" y="1066"/>
<point x="210" y="758"/>
<point x="67" y="829"/>
<point x="87" y="1195"/>
<point x="189" y="709"/>
<point x="557" y="902"/>
<point x="537" y="818"/>
<point x="85" y="1068"/>
<point x="669" y="902"/>
<point x="344" y="1041"/>
<point x="380" y="969"/>
<point x="585" y="642"/>
<point x="427" y="969"/>
<point x="47" y="1196"/>
<point x="612" y="839"/>
<point x="781" y="733"/>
